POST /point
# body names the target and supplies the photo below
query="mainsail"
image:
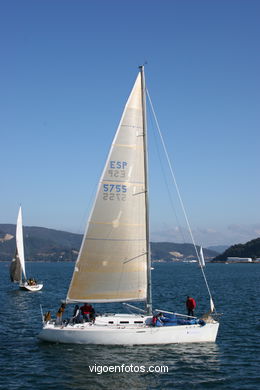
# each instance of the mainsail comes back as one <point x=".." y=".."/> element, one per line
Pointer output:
<point x="15" y="269"/>
<point x="112" y="262"/>
<point x="18" y="265"/>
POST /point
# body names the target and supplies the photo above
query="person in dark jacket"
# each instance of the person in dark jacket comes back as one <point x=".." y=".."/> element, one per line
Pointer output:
<point x="190" y="305"/>
<point x="76" y="315"/>
<point x="86" y="311"/>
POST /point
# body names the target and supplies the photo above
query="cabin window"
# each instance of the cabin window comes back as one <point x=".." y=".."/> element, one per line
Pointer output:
<point x="110" y="322"/>
<point x="138" y="322"/>
<point x="124" y="322"/>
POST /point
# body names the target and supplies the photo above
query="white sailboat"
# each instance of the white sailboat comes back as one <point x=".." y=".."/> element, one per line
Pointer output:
<point x="114" y="260"/>
<point x="17" y="267"/>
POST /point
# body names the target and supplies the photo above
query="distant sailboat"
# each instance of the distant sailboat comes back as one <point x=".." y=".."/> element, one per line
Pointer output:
<point x="17" y="267"/>
<point x="201" y="258"/>
<point x="114" y="260"/>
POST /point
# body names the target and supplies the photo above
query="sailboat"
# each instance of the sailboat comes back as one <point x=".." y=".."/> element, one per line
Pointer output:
<point x="114" y="263"/>
<point x="17" y="267"/>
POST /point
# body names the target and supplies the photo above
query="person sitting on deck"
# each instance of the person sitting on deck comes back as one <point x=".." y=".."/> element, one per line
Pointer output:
<point x="92" y="315"/>
<point x="58" y="317"/>
<point x="156" y="320"/>
<point x="47" y="316"/>
<point x="59" y="314"/>
<point x="76" y="315"/>
<point x="86" y="311"/>
<point x="32" y="282"/>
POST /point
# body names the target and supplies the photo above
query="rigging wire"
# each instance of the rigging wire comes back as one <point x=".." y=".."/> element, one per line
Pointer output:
<point x="164" y="177"/>
<point x="180" y="200"/>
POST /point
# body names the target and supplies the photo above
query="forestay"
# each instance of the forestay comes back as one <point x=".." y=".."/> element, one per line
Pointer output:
<point x="112" y="262"/>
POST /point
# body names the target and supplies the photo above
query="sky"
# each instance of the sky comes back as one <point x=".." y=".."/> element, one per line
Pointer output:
<point x="67" y="68"/>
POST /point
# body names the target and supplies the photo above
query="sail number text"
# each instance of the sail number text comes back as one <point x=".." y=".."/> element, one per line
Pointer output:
<point x="114" y="191"/>
<point x="117" y="168"/>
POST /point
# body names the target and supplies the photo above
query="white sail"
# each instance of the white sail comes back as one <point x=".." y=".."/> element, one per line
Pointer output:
<point x="17" y="267"/>
<point x="112" y="263"/>
<point x="212" y="306"/>
<point x="19" y="241"/>
<point x="201" y="258"/>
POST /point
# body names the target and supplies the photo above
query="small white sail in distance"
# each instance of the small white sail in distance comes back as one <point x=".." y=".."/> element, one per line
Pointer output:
<point x="212" y="307"/>
<point x="201" y="258"/>
<point x="19" y="240"/>
<point x="202" y="264"/>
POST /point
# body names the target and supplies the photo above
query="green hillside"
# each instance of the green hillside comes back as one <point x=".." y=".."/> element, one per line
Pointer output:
<point x="169" y="251"/>
<point x="42" y="244"/>
<point x="250" y="249"/>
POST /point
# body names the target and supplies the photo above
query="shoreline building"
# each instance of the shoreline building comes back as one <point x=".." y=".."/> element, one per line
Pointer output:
<point x="239" y="260"/>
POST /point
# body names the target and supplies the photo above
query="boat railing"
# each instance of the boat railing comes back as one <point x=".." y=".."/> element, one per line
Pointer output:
<point x="176" y="314"/>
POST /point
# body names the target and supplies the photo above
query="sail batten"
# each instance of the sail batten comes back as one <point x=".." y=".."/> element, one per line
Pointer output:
<point x="115" y="240"/>
<point x="112" y="262"/>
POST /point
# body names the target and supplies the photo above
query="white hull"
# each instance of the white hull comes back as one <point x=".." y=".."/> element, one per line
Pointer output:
<point x="129" y="334"/>
<point x="26" y="286"/>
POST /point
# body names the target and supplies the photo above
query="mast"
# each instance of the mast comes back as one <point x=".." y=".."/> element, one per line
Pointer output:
<point x="148" y="251"/>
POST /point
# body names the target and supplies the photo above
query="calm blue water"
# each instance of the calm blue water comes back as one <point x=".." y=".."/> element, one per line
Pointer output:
<point x="233" y="362"/>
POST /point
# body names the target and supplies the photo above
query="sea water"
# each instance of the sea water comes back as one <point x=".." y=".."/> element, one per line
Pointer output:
<point x="233" y="362"/>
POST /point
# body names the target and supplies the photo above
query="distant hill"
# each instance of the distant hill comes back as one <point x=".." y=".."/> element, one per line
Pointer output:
<point x="42" y="244"/>
<point x="218" y="248"/>
<point x="169" y="251"/>
<point x="250" y="249"/>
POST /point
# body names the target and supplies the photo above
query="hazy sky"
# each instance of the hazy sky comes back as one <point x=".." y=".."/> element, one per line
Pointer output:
<point x="67" y="67"/>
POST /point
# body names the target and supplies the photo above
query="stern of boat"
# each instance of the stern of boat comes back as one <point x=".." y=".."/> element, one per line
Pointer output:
<point x="32" y="288"/>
